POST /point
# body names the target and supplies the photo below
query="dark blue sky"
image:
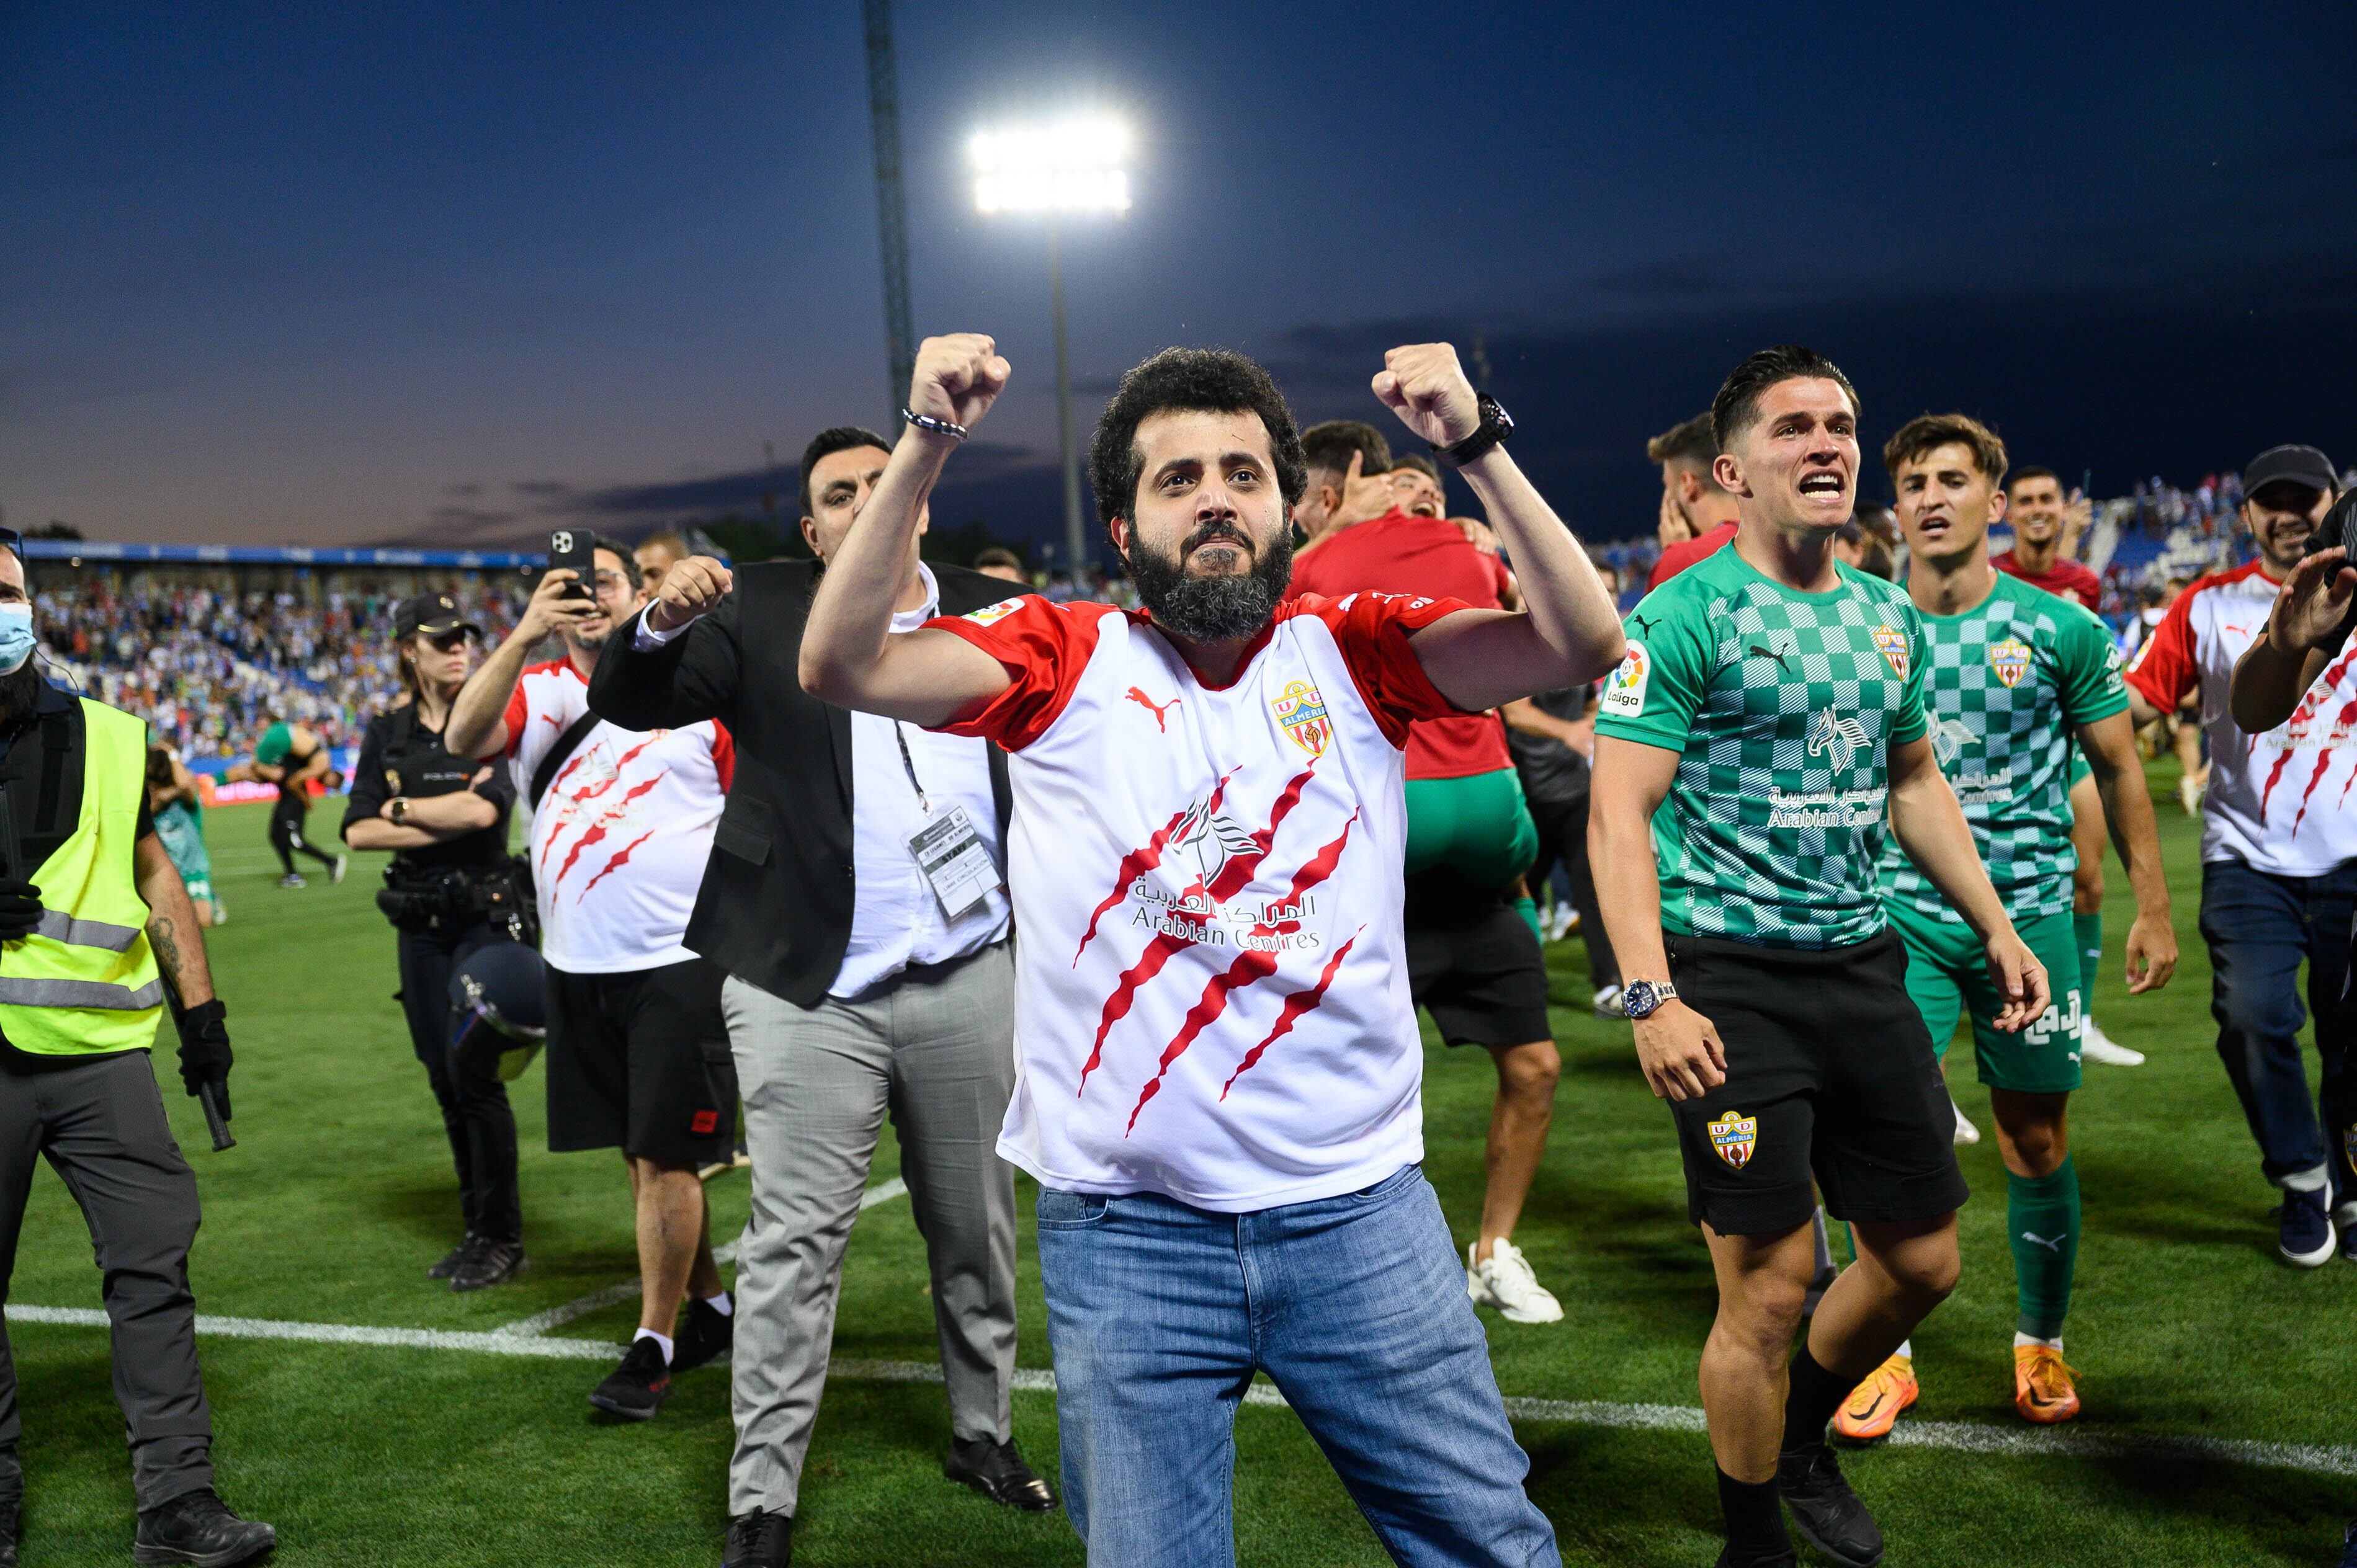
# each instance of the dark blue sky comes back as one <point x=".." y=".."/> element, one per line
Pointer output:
<point x="340" y="274"/>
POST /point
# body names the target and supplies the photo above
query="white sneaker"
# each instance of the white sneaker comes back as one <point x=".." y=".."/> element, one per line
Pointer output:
<point x="2188" y="794"/>
<point x="2097" y="1046"/>
<point x="1608" y="1003"/>
<point x="1560" y="922"/>
<point x="1505" y="1282"/>
<point x="342" y="863"/>
<point x="1965" y="1132"/>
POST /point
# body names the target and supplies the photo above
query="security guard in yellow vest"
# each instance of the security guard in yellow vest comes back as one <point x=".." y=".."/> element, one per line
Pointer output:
<point x="94" y="923"/>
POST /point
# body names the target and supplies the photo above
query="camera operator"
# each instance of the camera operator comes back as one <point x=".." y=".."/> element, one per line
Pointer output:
<point x="450" y="889"/>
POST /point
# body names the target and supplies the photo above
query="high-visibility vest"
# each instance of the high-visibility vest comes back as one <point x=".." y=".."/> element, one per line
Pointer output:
<point x="85" y="981"/>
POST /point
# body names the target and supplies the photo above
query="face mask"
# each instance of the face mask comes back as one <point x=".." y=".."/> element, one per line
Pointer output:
<point x="16" y="638"/>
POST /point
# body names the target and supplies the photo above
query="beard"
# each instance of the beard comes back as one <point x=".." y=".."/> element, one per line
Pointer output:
<point x="19" y="690"/>
<point x="1212" y="607"/>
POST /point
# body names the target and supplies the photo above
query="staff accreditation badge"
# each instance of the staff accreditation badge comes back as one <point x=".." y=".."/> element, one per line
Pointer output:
<point x="1734" y="1135"/>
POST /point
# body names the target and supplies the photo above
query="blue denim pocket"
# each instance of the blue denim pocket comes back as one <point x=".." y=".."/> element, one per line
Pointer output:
<point x="1406" y="1176"/>
<point x="1059" y="1210"/>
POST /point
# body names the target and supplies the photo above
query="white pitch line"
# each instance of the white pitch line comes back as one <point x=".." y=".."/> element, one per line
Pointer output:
<point x="2316" y="1458"/>
<point x="540" y="1323"/>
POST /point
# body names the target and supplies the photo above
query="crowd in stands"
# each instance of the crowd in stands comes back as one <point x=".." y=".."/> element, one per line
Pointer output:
<point x="208" y="666"/>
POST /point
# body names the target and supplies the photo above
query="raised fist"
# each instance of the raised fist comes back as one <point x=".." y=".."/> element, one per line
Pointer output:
<point x="1424" y="384"/>
<point x="957" y="378"/>
<point x="694" y="587"/>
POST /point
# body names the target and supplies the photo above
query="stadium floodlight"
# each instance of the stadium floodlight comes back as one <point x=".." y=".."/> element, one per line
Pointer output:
<point x="1072" y="166"/>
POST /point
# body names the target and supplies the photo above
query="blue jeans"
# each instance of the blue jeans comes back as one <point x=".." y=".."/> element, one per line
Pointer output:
<point x="1158" y="1314"/>
<point x="2259" y="927"/>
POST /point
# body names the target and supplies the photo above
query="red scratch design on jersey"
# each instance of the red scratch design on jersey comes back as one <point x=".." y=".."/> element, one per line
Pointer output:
<point x="613" y="815"/>
<point x="2324" y="760"/>
<point x="1232" y="878"/>
<point x="625" y="759"/>
<point x="1159" y="710"/>
<point x="1303" y="1001"/>
<point x="2283" y="758"/>
<point x="609" y="867"/>
<point x="1138" y="861"/>
<point x="1249" y="969"/>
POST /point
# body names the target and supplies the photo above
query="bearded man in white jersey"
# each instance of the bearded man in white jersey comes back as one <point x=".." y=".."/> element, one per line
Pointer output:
<point x="1219" y="1062"/>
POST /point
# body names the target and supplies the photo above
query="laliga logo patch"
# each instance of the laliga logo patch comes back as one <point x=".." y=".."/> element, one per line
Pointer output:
<point x="1624" y="688"/>
<point x="998" y="611"/>
<point x="1892" y="642"/>
<point x="2010" y="660"/>
<point x="1302" y="712"/>
<point x="1735" y="1135"/>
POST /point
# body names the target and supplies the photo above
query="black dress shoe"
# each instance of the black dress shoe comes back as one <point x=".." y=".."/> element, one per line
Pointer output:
<point x="197" y="1528"/>
<point x="705" y="1334"/>
<point x="636" y="1388"/>
<point x="451" y="1259"/>
<point x="1825" y="1512"/>
<point x="759" y="1539"/>
<point x="484" y="1262"/>
<point x="11" y="1518"/>
<point x="1730" y="1558"/>
<point x="996" y="1470"/>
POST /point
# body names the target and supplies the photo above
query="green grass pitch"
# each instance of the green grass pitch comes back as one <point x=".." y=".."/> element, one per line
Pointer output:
<point x="339" y="1193"/>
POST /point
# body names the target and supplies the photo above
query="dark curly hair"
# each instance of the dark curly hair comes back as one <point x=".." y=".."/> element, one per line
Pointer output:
<point x="1212" y="380"/>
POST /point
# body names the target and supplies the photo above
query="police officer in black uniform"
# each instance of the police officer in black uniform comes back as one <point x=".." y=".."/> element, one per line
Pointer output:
<point x="451" y="888"/>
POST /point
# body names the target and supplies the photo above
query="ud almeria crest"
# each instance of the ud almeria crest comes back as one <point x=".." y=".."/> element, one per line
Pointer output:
<point x="1734" y="1135"/>
<point x="1302" y="712"/>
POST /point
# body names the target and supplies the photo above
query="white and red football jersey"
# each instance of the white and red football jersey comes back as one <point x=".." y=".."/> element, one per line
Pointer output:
<point x="620" y="841"/>
<point x="2278" y="802"/>
<point x="1211" y="996"/>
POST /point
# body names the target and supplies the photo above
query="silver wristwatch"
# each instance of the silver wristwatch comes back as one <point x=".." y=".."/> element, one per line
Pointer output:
<point x="1644" y="998"/>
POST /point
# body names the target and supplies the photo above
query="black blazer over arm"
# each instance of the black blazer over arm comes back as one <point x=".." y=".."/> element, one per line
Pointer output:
<point x="776" y="905"/>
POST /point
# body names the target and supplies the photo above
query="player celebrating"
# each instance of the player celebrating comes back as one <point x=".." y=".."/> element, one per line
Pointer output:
<point x="1219" y="1064"/>
<point x="1773" y="700"/>
<point x="2013" y="675"/>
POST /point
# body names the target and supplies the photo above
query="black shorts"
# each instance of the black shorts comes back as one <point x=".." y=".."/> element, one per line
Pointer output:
<point x="1829" y="1070"/>
<point x="1474" y="964"/>
<point x="639" y="1060"/>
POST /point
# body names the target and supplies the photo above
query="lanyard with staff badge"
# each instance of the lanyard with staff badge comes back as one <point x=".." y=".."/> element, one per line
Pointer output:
<point x="950" y="854"/>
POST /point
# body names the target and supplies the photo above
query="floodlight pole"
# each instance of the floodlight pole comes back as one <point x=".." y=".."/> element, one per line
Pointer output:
<point x="1076" y="541"/>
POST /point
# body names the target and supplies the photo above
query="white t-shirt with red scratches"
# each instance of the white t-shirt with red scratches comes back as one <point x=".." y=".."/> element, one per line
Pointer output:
<point x="620" y="841"/>
<point x="1212" y="997"/>
<point x="2280" y="803"/>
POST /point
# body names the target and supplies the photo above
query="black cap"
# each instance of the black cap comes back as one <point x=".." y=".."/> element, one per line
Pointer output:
<point x="430" y="613"/>
<point x="2299" y="465"/>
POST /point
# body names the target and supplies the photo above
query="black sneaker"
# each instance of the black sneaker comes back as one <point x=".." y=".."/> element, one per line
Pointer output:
<point x="2306" y="1238"/>
<point x="1825" y="1512"/>
<point x="198" y="1527"/>
<point x="451" y="1259"/>
<point x="1730" y="1558"/>
<point x="292" y="879"/>
<point x="2349" y="1545"/>
<point x="635" y="1389"/>
<point x="483" y="1263"/>
<point x="759" y="1539"/>
<point x="996" y="1470"/>
<point x="705" y="1334"/>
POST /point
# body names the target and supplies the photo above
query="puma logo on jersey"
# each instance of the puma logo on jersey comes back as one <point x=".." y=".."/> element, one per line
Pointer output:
<point x="2054" y="1246"/>
<point x="1159" y="710"/>
<point x="1778" y="654"/>
<point x="1844" y="738"/>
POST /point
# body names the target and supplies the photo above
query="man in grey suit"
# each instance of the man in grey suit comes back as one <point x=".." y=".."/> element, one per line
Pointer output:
<point x="855" y="897"/>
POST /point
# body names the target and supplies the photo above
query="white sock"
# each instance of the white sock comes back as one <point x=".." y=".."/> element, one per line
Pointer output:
<point x="721" y="1305"/>
<point x="663" y="1342"/>
<point x="1906" y="1348"/>
<point x="2055" y="1343"/>
<point x="1825" y="1243"/>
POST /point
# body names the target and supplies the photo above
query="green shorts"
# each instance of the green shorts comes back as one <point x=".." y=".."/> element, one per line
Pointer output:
<point x="1477" y="826"/>
<point x="1947" y="974"/>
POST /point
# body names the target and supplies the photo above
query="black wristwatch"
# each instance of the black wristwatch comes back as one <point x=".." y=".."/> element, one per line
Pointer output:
<point x="1644" y="998"/>
<point x="1495" y="426"/>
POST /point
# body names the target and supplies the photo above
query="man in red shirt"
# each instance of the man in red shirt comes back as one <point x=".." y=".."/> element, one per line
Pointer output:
<point x="1691" y="494"/>
<point x="2040" y="516"/>
<point x="2043" y="521"/>
<point x="1473" y="963"/>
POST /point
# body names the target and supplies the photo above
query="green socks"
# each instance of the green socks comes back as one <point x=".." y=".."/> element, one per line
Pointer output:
<point x="2088" y="929"/>
<point x="1528" y="908"/>
<point x="2041" y="1216"/>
